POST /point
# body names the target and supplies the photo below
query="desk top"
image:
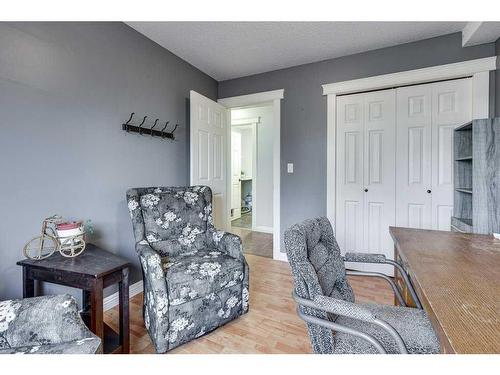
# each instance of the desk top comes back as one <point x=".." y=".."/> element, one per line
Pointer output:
<point x="94" y="262"/>
<point x="457" y="278"/>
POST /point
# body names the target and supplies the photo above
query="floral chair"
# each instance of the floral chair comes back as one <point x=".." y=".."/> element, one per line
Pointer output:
<point x="45" y="325"/>
<point x="195" y="277"/>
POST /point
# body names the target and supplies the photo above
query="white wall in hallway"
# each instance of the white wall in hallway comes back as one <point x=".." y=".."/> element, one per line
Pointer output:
<point x="264" y="173"/>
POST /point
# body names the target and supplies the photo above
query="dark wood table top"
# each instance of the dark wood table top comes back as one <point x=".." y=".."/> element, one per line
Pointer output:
<point x="457" y="278"/>
<point x="93" y="262"/>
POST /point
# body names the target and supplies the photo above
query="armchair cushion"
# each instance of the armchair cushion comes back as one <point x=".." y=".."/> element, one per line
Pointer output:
<point x="42" y="321"/>
<point x="84" y="346"/>
<point x="412" y="324"/>
<point x="197" y="275"/>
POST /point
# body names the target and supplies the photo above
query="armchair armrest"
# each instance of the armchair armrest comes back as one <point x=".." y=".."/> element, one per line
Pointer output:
<point x="155" y="284"/>
<point x="350" y="310"/>
<point x="381" y="259"/>
<point x="365" y="258"/>
<point x="227" y="242"/>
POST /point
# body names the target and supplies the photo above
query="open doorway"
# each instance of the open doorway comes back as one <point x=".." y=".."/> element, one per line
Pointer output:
<point x="252" y="177"/>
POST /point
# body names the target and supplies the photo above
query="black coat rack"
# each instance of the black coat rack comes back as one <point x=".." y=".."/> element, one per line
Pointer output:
<point x="128" y="127"/>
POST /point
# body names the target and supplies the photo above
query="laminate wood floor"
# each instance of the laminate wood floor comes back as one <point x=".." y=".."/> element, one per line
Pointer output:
<point x="271" y="325"/>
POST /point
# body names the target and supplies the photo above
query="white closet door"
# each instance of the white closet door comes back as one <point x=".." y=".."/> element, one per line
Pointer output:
<point x="349" y="191"/>
<point x="413" y="156"/>
<point x="451" y="107"/>
<point x="366" y="174"/>
<point x="379" y="166"/>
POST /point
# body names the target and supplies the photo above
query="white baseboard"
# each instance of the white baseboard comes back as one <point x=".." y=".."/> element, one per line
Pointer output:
<point x="262" y="228"/>
<point x="111" y="301"/>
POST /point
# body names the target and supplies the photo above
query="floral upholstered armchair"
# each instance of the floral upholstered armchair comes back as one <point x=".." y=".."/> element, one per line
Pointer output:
<point x="45" y="325"/>
<point x="195" y="277"/>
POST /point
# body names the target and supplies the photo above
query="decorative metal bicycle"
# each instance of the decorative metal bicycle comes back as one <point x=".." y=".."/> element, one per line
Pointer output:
<point x="56" y="235"/>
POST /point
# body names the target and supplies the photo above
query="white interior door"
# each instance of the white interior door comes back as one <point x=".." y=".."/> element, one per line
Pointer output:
<point x="209" y="126"/>
<point x="413" y="156"/>
<point x="451" y="107"/>
<point x="235" y="175"/>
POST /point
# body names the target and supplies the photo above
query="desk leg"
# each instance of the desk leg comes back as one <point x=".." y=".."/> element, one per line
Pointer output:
<point x="96" y="316"/>
<point x="28" y="285"/>
<point x="124" y="312"/>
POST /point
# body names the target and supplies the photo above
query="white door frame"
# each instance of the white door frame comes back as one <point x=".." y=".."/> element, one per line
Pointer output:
<point x="479" y="70"/>
<point x="274" y="97"/>
<point x="252" y="123"/>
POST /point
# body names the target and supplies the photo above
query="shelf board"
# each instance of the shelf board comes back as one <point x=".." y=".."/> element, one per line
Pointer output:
<point x="465" y="158"/>
<point x="464" y="190"/>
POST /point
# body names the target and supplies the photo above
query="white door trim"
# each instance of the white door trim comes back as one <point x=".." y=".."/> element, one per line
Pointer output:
<point x="252" y="122"/>
<point x="275" y="97"/>
<point x="250" y="99"/>
<point x="479" y="69"/>
<point x="410" y="77"/>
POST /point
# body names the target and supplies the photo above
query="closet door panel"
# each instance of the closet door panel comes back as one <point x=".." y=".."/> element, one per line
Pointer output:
<point x="379" y="174"/>
<point x="413" y="156"/>
<point x="349" y="193"/>
<point x="451" y="107"/>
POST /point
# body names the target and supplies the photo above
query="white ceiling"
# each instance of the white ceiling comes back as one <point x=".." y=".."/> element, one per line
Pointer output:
<point x="226" y="50"/>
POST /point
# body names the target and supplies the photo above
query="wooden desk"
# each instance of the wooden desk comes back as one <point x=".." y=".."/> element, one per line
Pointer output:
<point x="92" y="271"/>
<point x="457" y="279"/>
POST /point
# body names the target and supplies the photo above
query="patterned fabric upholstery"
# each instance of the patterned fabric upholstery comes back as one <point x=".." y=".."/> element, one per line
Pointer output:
<point x="318" y="271"/>
<point x="412" y="324"/>
<point x="43" y="325"/>
<point x="364" y="257"/>
<point x="195" y="277"/>
<point x="201" y="274"/>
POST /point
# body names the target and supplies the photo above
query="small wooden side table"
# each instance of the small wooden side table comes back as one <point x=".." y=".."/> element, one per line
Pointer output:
<point x="92" y="271"/>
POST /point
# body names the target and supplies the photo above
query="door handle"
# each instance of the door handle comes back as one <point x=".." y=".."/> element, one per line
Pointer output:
<point x="429" y="191"/>
<point x="366" y="190"/>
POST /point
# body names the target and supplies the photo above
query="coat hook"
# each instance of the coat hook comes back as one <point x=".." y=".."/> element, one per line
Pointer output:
<point x="156" y="121"/>
<point x="166" y="124"/>
<point x="176" y="125"/>
<point x="130" y="119"/>
<point x="142" y="123"/>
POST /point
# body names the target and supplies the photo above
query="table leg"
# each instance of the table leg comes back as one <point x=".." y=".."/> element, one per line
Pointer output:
<point x="28" y="285"/>
<point x="86" y="300"/>
<point x="96" y="316"/>
<point x="124" y="312"/>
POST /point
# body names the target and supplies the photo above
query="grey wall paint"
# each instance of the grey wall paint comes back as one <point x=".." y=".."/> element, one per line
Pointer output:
<point x="497" y="80"/>
<point x="303" y="110"/>
<point x="65" y="88"/>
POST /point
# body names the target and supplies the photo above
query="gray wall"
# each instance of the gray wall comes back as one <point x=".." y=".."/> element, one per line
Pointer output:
<point x="65" y="89"/>
<point x="303" y="111"/>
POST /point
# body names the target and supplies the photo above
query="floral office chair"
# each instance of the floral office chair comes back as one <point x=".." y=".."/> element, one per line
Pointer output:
<point x="45" y="325"/>
<point x="326" y="301"/>
<point x="195" y="277"/>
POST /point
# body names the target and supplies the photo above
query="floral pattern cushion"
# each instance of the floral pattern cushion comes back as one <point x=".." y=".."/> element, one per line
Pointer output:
<point x="195" y="277"/>
<point x="205" y="272"/>
<point x="48" y="324"/>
